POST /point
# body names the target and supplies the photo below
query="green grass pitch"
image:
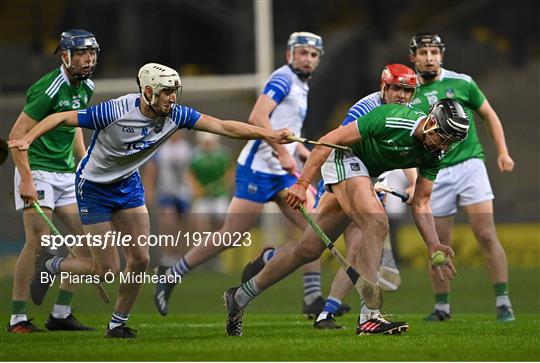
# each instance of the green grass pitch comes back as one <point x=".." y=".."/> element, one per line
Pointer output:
<point x="275" y="330"/>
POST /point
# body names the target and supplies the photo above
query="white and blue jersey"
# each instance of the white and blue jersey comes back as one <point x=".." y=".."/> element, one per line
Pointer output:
<point x="362" y="107"/>
<point x="290" y="94"/>
<point x="359" y="109"/>
<point x="259" y="175"/>
<point x="124" y="139"/>
<point x="107" y="178"/>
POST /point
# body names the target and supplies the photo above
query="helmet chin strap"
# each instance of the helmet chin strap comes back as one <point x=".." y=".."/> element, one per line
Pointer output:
<point x="304" y="76"/>
<point x="427" y="75"/>
<point x="70" y="68"/>
<point x="151" y="105"/>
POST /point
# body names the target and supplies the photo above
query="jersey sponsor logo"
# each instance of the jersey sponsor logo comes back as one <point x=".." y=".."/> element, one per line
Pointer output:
<point x="139" y="145"/>
<point x="63" y="103"/>
<point x="130" y="130"/>
<point x="450" y="93"/>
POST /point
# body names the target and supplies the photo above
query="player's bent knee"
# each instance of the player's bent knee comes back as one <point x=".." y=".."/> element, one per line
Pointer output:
<point x="139" y="262"/>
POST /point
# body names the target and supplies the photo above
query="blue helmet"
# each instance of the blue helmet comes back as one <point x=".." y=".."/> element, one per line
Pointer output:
<point x="78" y="39"/>
<point x="297" y="39"/>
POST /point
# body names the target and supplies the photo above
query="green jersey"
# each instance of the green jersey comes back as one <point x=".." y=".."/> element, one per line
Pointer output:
<point x="51" y="94"/>
<point x="462" y="88"/>
<point x="210" y="169"/>
<point x="388" y="142"/>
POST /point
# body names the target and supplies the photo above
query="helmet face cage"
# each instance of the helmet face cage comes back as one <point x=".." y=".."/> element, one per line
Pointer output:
<point x="422" y="40"/>
<point x="74" y="40"/>
<point x="159" y="78"/>
<point x="450" y="123"/>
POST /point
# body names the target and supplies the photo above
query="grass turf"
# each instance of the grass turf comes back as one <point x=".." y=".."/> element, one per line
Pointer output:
<point x="274" y="329"/>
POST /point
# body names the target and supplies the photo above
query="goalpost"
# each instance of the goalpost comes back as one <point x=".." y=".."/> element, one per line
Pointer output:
<point x="264" y="55"/>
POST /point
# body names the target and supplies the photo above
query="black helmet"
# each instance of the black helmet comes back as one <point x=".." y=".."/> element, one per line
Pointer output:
<point x="422" y="40"/>
<point x="452" y="120"/>
<point x="448" y="120"/>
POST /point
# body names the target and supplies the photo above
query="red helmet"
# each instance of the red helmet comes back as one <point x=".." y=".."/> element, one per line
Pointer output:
<point x="398" y="74"/>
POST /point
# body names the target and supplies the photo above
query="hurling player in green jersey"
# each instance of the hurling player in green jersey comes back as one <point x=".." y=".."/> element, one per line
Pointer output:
<point x="389" y="137"/>
<point x="45" y="174"/>
<point x="463" y="180"/>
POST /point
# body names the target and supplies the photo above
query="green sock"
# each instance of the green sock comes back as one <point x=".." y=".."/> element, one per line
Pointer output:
<point x="18" y="307"/>
<point x="501" y="288"/>
<point x="441" y="298"/>
<point x="64" y="297"/>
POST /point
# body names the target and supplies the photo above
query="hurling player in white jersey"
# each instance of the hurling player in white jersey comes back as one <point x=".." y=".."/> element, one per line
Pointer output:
<point x="110" y="195"/>
<point x="265" y="168"/>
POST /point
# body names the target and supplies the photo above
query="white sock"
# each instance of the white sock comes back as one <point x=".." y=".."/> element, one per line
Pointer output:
<point x="367" y="313"/>
<point x="61" y="311"/>
<point x="312" y="286"/>
<point x="118" y="319"/>
<point x="502" y="300"/>
<point x="15" y="318"/>
<point x="247" y="292"/>
<point x="443" y="307"/>
<point x="322" y="315"/>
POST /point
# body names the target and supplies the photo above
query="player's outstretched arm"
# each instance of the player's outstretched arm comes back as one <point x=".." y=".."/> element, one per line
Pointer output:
<point x="345" y="135"/>
<point x="241" y="130"/>
<point x="425" y="223"/>
<point x="48" y="123"/>
<point x="488" y="114"/>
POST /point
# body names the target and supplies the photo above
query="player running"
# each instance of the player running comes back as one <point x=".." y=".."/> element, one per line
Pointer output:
<point x="389" y="137"/>
<point x="463" y="180"/>
<point x="46" y="174"/>
<point x="110" y="195"/>
<point x="265" y="168"/>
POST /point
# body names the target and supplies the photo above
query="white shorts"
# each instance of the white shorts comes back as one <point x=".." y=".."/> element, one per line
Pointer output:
<point x="53" y="189"/>
<point x="211" y="205"/>
<point x="459" y="185"/>
<point x="342" y="165"/>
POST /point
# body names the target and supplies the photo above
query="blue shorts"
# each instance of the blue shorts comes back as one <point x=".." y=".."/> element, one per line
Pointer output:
<point x="179" y="204"/>
<point x="260" y="187"/>
<point x="97" y="202"/>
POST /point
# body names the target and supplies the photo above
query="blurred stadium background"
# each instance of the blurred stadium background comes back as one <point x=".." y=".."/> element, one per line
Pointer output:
<point x="225" y="49"/>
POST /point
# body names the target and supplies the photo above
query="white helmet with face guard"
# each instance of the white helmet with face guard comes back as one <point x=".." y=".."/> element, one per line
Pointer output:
<point x="159" y="78"/>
